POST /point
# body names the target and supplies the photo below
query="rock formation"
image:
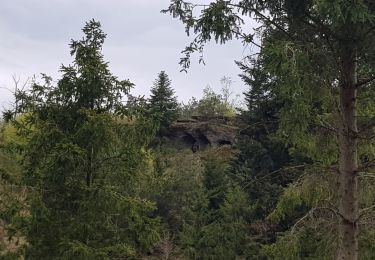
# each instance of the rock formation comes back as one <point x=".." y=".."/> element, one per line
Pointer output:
<point x="200" y="133"/>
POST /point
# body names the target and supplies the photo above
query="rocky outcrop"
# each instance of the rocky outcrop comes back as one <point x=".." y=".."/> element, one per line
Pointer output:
<point x="201" y="133"/>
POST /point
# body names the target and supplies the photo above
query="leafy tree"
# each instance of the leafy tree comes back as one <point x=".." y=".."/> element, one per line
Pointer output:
<point x="188" y="110"/>
<point x="12" y="195"/>
<point x="163" y="103"/>
<point x="324" y="48"/>
<point x="85" y="163"/>
<point x="212" y="104"/>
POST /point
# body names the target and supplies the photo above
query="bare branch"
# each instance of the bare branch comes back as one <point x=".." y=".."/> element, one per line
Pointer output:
<point x="363" y="212"/>
<point x="311" y="214"/>
<point x="364" y="82"/>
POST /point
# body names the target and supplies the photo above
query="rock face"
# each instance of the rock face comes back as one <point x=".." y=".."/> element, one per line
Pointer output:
<point x="200" y="133"/>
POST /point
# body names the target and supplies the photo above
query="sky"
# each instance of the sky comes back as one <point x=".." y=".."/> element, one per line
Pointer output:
<point x="141" y="41"/>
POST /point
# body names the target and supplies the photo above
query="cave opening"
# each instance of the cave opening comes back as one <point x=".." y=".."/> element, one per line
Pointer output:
<point x="222" y="142"/>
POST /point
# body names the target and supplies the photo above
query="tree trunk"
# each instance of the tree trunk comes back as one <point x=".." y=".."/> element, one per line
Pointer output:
<point x="89" y="167"/>
<point x="348" y="163"/>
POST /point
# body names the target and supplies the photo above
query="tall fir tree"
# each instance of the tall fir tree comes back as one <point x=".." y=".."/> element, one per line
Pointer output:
<point x="163" y="102"/>
<point x="258" y="167"/>
<point x="215" y="225"/>
<point x="324" y="49"/>
<point x="83" y="163"/>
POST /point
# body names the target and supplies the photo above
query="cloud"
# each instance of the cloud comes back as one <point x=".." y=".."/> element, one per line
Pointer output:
<point x="140" y="43"/>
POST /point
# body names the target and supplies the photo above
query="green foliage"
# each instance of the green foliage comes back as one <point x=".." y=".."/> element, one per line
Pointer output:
<point x="264" y="165"/>
<point x="311" y="52"/>
<point x="367" y="244"/>
<point x="308" y="243"/>
<point x="13" y="203"/>
<point x="217" y="21"/>
<point x="86" y="163"/>
<point x="78" y="179"/>
<point x="284" y="129"/>
<point x="181" y="175"/>
<point x="163" y="104"/>
<point x="215" y="228"/>
<point x="212" y="104"/>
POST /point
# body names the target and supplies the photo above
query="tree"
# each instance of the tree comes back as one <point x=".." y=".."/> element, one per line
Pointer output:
<point x="163" y="103"/>
<point x="259" y="165"/>
<point x="213" y="104"/>
<point x="215" y="224"/>
<point x="334" y="35"/>
<point x="12" y="195"/>
<point x="84" y="163"/>
<point x="10" y="114"/>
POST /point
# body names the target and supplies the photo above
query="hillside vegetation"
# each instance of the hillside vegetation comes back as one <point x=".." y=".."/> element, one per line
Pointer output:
<point x="90" y="171"/>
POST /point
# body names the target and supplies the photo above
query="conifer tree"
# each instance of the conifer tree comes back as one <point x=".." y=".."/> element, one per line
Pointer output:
<point x="163" y="102"/>
<point x="219" y="213"/>
<point x="322" y="49"/>
<point x="83" y="162"/>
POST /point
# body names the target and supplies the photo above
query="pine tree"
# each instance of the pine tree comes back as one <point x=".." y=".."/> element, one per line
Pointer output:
<point x="323" y="49"/>
<point x="215" y="224"/>
<point x="163" y="103"/>
<point x="83" y="163"/>
<point x="258" y="167"/>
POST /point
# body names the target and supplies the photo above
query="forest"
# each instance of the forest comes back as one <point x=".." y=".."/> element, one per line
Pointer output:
<point x="89" y="170"/>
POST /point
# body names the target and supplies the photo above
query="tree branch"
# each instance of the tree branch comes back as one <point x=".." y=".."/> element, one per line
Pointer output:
<point x="310" y="214"/>
<point x="364" y="82"/>
<point x="364" y="212"/>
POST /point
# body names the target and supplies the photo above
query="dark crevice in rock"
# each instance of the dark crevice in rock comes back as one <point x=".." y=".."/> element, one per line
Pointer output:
<point x="198" y="134"/>
<point x="224" y="142"/>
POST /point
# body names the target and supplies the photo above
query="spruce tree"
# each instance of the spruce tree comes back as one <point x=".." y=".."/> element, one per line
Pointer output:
<point x="215" y="225"/>
<point x="83" y="163"/>
<point x="163" y="103"/>
<point x="323" y="49"/>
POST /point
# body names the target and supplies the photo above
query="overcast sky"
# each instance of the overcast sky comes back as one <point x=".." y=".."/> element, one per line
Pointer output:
<point x="141" y="42"/>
